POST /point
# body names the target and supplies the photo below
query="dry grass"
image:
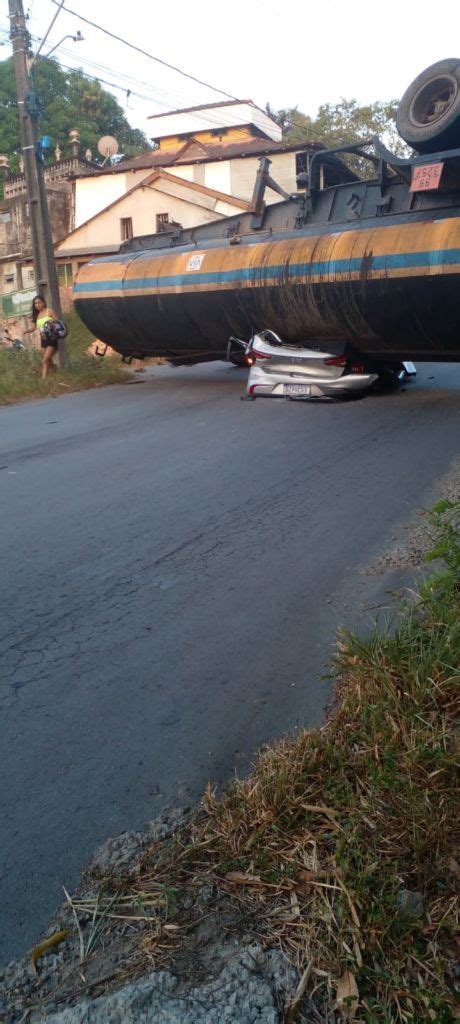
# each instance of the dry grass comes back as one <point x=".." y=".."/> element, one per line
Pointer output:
<point x="341" y="843"/>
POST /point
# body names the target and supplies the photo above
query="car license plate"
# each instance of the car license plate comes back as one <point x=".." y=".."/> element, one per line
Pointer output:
<point x="297" y="389"/>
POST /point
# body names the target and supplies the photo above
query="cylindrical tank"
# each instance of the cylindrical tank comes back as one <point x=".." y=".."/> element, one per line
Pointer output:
<point x="385" y="288"/>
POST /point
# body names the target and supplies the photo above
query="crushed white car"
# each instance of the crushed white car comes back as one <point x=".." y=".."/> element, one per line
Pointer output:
<point x="280" y="370"/>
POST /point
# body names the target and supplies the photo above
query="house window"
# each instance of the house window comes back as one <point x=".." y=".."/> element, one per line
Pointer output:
<point x="65" y="276"/>
<point x="9" y="279"/>
<point x="126" y="224"/>
<point x="31" y="275"/>
<point x="162" y="221"/>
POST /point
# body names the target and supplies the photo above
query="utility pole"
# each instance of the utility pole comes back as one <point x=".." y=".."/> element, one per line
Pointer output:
<point x="42" y="243"/>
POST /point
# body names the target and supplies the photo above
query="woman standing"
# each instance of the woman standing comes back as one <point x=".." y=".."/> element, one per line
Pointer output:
<point x="41" y="316"/>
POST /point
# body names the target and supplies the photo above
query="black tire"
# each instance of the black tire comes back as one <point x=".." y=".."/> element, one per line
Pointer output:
<point x="428" y="116"/>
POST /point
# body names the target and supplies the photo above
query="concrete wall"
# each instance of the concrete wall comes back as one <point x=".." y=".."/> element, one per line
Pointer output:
<point x="237" y="177"/>
<point x="12" y="231"/>
<point x="244" y="171"/>
<point x="96" y="192"/>
<point x="142" y="206"/>
<point x="16" y="328"/>
<point x="16" y="239"/>
<point x="14" y="276"/>
<point x="234" y="177"/>
<point x="234" y="118"/>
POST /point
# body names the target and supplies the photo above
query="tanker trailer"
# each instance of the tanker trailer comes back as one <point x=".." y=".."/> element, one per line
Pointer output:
<point x="373" y="263"/>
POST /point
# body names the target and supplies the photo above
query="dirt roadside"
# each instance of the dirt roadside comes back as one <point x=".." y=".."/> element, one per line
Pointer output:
<point x="200" y="951"/>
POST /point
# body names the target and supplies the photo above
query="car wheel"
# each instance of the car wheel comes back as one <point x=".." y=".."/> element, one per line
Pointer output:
<point x="428" y="116"/>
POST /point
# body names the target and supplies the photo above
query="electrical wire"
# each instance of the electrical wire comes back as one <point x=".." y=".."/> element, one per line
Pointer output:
<point x="214" y="122"/>
<point x="152" y="97"/>
<point x="145" y="53"/>
<point x="45" y="37"/>
<point x="342" y="141"/>
<point x="138" y="81"/>
<point x="129" y="91"/>
<point x="129" y="81"/>
<point x="112" y="85"/>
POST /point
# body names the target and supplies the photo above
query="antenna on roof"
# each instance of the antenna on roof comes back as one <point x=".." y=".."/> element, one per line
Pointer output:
<point x="107" y="147"/>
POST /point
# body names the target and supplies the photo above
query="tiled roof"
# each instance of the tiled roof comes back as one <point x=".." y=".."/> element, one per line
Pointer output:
<point x="188" y="153"/>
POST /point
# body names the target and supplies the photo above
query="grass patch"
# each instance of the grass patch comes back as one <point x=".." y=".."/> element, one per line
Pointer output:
<point x="20" y="371"/>
<point x="340" y="844"/>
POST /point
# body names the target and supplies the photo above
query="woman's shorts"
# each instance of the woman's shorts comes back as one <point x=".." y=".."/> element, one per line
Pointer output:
<point x="47" y="343"/>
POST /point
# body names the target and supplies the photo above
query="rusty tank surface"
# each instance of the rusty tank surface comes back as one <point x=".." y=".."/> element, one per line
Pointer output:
<point x="374" y="263"/>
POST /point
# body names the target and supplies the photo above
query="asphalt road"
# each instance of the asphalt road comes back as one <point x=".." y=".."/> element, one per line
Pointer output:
<point x="174" y="565"/>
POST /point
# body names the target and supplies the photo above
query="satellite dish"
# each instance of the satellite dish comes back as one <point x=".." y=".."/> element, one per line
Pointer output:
<point x="107" y="146"/>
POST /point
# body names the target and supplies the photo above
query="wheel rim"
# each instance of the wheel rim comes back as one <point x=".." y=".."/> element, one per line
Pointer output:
<point x="433" y="100"/>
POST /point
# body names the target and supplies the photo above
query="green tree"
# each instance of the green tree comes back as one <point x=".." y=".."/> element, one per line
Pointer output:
<point x="68" y="99"/>
<point x="344" y="122"/>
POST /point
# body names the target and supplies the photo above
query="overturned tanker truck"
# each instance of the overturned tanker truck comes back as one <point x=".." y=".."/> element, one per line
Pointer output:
<point x="373" y="263"/>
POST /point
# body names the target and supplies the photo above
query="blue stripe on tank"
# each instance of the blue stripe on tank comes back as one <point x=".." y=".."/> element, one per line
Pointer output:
<point x="390" y="261"/>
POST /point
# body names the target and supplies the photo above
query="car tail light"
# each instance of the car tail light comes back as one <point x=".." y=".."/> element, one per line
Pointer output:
<point x="250" y="360"/>
<point x="260" y="355"/>
<point x="252" y="390"/>
<point x="336" y="361"/>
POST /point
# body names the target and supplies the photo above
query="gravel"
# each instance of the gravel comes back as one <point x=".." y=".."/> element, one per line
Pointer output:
<point x="222" y="974"/>
<point x="250" y="988"/>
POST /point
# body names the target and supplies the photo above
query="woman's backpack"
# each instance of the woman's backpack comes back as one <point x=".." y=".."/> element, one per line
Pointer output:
<point x="54" y="331"/>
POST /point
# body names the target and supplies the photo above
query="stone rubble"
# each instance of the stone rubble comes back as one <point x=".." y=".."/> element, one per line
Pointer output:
<point x="251" y="988"/>
<point x="233" y="980"/>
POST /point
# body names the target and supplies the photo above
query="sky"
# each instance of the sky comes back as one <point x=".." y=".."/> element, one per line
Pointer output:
<point x="288" y="54"/>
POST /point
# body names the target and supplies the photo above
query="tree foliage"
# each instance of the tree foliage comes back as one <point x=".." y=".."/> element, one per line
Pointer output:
<point x="346" y="122"/>
<point x="68" y="99"/>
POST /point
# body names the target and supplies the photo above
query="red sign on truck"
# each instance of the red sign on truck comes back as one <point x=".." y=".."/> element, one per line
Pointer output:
<point x="425" y="177"/>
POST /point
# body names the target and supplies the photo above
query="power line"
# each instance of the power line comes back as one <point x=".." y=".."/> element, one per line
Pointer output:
<point x="205" y="115"/>
<point x="125" y="84"/>
<point x="127" y="89"/>
<point x="127" y="80"/>
<point x="45" y="37"/>
<point x="216" y="123"/>
<point x="112" y="85"/>
<point x="145" y="53"/>
<point x="153" y="96"/>
<point x="132" y="92"/>
<point x="212" y="121"/>
<point x="327" y="145"/>
<point x="321" y="138"/>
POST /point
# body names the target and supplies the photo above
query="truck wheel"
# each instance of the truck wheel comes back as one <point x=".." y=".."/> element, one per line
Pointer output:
<point x="428" y="116"/>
